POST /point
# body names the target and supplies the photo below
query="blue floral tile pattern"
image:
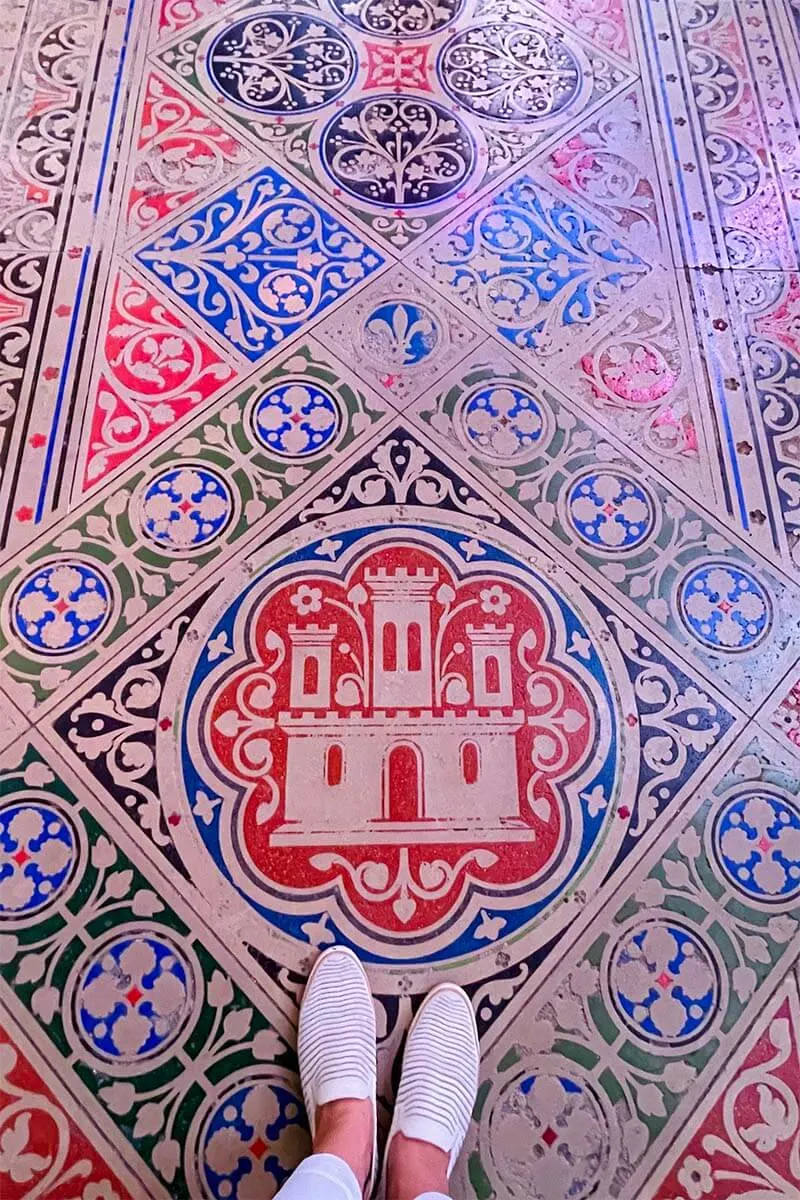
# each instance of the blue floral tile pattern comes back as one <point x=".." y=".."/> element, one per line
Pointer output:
<point x="566" y="1133"/>
<point x="134" y="997"/>
<point x="60" y="608"/>
<point x="38" y="853"/>
<point x="664" y="983"/>
<point x="756" y="842"/>
<point x="400" y="333"/>
<point x="533" y="264"/>
<point x="610" y="511"/>
<point x="724" y="606"/>
<point x="504" y="422"/>
<point x="296" y="419"/>
<point x="186" y="507"/>
<point x="250" y="1136"/>
<point x="278" y="63"/>
<point x="259" y="261"/>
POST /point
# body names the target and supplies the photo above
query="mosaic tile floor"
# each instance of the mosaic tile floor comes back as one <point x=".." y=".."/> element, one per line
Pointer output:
<point x="400" y="501"/>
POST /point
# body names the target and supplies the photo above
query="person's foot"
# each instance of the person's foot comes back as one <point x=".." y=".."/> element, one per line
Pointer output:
<point x="438" y="1088"/>
<point x="336" y="1052"/>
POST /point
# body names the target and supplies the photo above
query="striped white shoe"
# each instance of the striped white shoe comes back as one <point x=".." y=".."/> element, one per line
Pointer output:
<point x="439" y="1081"/>
<point x="336" y="1038"/>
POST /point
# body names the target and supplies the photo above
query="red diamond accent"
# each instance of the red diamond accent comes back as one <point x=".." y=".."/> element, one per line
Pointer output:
<point x="134" y="996"/>
<point x="764" y="844"/>
<point x="60" y="606"/>
<point x="259" y="1148"/>
<point x="724" y="606"/>
<point x="609" y="509"/>
<point x="549" y="1136"/>
<point x="663" y="980"/>
<point x="185" y="505"/>
<point x="20" y="857"/>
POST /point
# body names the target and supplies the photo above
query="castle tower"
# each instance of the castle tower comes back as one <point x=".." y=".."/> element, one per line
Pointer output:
<point x="311" y="666"/>
<point x="491" y="665"/>
<point x="402" y="668"/>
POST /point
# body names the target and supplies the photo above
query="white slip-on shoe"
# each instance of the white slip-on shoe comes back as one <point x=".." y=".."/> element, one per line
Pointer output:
<point x="439" y="1080"/>
<point x="336" y="1039"/>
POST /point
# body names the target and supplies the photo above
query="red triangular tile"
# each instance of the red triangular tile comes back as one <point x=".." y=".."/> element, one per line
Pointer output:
<point x="179" y="152"/>
<point x="744" y="1146"/>
<point x="154" y="371"/>
<point x="45" y="1153"/>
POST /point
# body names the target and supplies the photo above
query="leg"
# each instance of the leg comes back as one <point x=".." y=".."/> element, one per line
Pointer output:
<point x="336" y="1052"/>
<point x="437" y="1092"/>
<point x="415" y="1168"/>
<point x="344" y="1128"/>
<point x="342" y="1157"/>
<point x="321" y="1177"/>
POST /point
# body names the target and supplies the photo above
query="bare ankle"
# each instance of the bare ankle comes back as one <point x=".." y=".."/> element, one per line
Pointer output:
<point x="344" y="1128"/>
<point x="414" y="1168"/>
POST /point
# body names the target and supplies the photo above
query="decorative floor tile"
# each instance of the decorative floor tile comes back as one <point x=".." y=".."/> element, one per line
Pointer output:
<point x="626" y="527"/>
<point x="588" y="1089"/>
<point x="81" y="587"/>
<point x="125" y="993"/>
<point x="155" y="370"/>
<point x="180" y="152"/>
<point x="752" y="350"/>
<point x="46" y="96"/>
<point x="536" y="268"/>
<point x="177" y="14"/>
<point x="556" y="277"/>
<point x="259" y="262"/>
<point x="399" y="336"/>
<point x="609" y="164"/>
<point x="21" y="279"/>
<point x="399" y="134"/>
<point x="786" y="715"/>
<point x="741" y="173"/>
<point x="399" y="547"/>
<point x="604" y="25"/>
<point x="61" y="114"/>
<point x="48" y="1149"/>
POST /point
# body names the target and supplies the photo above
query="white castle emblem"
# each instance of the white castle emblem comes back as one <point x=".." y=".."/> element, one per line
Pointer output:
<point x="411" y="769"/>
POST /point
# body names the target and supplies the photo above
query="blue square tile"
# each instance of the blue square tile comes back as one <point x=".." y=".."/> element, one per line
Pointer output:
<point x="259" y="261"/>
<point x="534" y="265"/>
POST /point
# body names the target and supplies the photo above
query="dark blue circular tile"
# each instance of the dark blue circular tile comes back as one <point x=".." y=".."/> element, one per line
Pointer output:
<point x="398" y="151"/>
<point x="278" y="63"/>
